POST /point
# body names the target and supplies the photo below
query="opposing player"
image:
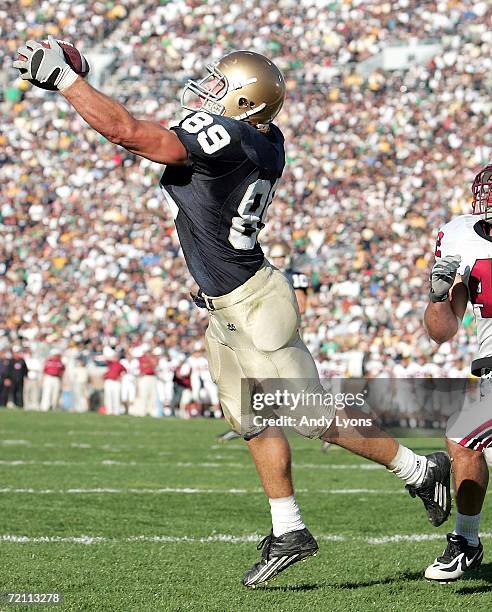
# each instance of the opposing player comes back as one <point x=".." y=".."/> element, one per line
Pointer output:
<point x="224" y="161"/>
<point x="462" y="273"/>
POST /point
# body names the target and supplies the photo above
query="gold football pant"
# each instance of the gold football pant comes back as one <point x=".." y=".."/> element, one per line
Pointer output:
<point x="253" y="333"/>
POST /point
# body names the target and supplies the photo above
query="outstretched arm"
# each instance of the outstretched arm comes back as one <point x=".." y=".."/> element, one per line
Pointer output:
<point x="111" y="119"/>
<point x="47" y="65"/>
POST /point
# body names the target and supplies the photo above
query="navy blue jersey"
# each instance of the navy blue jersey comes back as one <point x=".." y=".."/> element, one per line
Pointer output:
<point x="220" y="198"/>
<point x="298" y="280"/>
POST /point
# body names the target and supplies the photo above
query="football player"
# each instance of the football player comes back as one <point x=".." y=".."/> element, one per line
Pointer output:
<point x="463" y="272"/>
<point x="224" y="161"/>
<point x="280" y="257"/>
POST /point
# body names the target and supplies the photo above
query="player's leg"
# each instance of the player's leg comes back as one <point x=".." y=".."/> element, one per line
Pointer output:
<point x="44" y="405"/>
<point x="425" y="476"/>
<point x="117" y="397"/>
<point x="283" y="355"/>
<point x="107" y="397"/>
<point x="471" y="478"/>
<point x="289" y="540"/>
<point x="464" y="550"/>
<point x="270" y="451"/>
<point x="57" y="389"/>
<point x="19" y="393"/>
<point x="52" y="393"/>
<point x="268" y="446"/>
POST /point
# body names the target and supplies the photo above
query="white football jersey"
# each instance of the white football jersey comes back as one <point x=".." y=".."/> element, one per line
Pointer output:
<point x="464" y="236"/>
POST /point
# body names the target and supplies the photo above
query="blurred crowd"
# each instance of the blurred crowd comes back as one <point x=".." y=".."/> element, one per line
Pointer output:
<point x="143" y="381"/>
<point x="89" y="259"/>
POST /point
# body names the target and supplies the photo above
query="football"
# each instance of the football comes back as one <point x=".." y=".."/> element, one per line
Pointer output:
<point x="73" y="57"/>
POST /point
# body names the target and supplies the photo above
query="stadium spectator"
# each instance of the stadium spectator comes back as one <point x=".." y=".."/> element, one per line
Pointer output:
<point x="15" y="376"/>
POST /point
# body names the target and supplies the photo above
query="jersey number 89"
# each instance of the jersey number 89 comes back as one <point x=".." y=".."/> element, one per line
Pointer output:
<point x="212" y="139"/>
<point x="251" y="213"/>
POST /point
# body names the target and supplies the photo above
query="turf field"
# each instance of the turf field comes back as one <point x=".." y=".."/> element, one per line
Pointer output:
<point x="123" y="513"/>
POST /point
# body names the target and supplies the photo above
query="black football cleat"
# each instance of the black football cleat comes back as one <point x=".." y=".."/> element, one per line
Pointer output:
<point x="458" y="558"/>
<point x="435" y="490"/>
<point x="278" y="554"/>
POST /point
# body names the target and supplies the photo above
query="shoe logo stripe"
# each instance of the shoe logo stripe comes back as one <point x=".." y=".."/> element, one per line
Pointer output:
<point x="269" y="569"/>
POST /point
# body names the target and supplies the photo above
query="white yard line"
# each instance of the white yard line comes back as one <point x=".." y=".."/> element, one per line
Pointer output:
<point x="187" y="464"/>
<point x="187" y="490"/>
<point x="339" y="466"/>
<point x="114" y="491"/>
<point x="223" y="538"/>
<point x="16" y="462"/>
<point x="74" y="432"/>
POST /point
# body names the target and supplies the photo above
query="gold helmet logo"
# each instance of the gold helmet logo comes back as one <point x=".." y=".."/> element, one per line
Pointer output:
<point x="243" y="85"/>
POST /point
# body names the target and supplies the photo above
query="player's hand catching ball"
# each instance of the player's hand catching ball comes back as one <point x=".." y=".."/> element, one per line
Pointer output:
<point x="46" y="65"/>
<point x="442" y="277"/>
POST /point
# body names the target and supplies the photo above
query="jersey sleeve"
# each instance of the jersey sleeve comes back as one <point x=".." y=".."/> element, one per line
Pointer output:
<point x="448" y="243"/>
<point x="210" y="139"/>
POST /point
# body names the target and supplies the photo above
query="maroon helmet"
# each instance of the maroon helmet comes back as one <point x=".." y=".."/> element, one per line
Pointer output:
<point x="482" y="194"/>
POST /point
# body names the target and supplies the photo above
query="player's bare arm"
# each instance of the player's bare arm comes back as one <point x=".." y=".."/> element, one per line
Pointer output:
<point x="46" y="67"/>
<point x="111" y="119"/>
<point x="442" y="319"/>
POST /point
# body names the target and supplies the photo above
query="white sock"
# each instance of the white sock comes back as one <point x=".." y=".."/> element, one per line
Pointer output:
<point x="468" y="526"/>
<point x="286" y="515"/>
<point x="408" y="466"/>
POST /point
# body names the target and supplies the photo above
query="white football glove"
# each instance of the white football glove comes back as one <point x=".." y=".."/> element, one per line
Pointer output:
<point x="442" y="277"/>
<point x="45" y="65"/>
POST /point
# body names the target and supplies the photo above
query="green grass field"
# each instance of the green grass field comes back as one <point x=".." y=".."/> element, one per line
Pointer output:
<point x="122" y="513"/>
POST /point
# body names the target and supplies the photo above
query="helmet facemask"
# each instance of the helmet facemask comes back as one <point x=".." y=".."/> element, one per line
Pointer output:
<point x="206" y="93"/>
<point x="482" y="194"/>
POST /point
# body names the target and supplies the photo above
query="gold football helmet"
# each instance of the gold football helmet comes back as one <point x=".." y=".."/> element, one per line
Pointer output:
<point x="279" y="249"/>
<point x="243" y="85"/>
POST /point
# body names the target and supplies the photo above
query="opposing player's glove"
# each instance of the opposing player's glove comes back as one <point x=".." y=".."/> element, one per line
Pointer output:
<point x="442" y="277"/>
<point x="46" y="65"/>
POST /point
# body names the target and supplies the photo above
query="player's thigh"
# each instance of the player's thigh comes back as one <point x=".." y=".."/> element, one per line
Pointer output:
<point x="292" y="361"/>
<point x="273" y="317"/>
<point x="471" y="426"/>
<point x="234" y="393"/>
